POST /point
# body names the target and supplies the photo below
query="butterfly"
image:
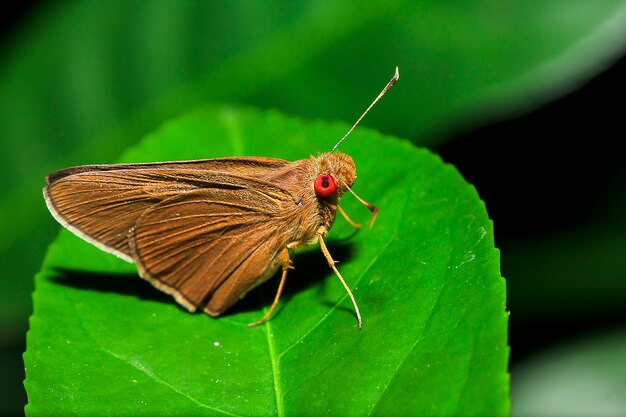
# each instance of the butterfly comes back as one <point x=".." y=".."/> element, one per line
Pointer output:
<point x="208" y="231"/>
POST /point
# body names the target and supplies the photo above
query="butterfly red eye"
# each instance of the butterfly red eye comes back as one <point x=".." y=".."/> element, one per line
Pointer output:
<point x="325" y="186"/>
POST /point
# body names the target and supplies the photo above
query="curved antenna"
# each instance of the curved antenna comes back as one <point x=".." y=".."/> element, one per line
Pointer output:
<point x="390" y="84"/>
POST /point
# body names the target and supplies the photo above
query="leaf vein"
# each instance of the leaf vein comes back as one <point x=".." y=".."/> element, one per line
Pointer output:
<point x="342" y="299"/>
<point x="275" y="362"/>
<point x="417" y="339"/>
<point x="409" y="351"/>
<point x="151" y="374"/>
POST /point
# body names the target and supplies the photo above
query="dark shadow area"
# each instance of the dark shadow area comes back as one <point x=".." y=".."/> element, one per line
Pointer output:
<point x="12" y="392"/>
<point x="551" y="169"/>
<point x="127" y="284"/>
<point x="12" y="17"/>
<point x="310" y="268"/>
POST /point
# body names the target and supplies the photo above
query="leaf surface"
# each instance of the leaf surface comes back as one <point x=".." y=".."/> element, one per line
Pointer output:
<point x="103" y="341"/>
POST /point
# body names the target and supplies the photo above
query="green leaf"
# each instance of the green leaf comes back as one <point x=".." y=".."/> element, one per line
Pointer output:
<point x="103" y="341"/>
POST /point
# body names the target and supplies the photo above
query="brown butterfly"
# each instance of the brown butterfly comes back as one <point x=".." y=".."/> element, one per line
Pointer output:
<point x="208" y="231"/>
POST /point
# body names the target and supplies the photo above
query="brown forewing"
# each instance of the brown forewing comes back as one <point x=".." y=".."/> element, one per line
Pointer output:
<point x="101" y="203"/>
<point x="245" y="166"/>
<point x="209" y="247"/>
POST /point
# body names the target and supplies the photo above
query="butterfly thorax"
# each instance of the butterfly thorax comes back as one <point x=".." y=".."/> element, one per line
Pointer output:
<point x="309" y="211"/>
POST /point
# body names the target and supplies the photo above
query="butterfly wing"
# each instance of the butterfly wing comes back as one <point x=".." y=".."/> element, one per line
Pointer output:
<point x="208" y="248"/>
<point x="248" y="166"/>
<point x="101" y="203"/>
<point x="204" y="234"/>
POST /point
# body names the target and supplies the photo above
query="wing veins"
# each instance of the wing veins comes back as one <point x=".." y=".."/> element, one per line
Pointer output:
<point x="190" y="230"/>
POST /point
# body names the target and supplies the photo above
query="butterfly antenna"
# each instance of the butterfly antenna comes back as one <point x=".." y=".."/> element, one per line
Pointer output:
<point x="390" y="84"/>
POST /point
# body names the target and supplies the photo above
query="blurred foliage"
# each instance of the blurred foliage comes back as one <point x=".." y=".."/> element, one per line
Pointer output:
<point x="79" y="81"/>
<point x="581" y="378"/>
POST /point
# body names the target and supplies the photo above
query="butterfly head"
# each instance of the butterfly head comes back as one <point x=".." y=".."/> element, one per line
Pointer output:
<point x="335" y="174"/>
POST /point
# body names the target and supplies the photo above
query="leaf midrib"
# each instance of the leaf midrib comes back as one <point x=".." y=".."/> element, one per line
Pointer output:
<point x="275" y="362"/>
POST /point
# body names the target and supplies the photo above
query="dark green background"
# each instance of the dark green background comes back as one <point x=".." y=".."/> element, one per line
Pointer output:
<point x="81" y="81"/>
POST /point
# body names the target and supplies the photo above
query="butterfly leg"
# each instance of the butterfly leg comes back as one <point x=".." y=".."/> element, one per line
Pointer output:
<point x="285" y="261"/>
<point x="331" y="262"/>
